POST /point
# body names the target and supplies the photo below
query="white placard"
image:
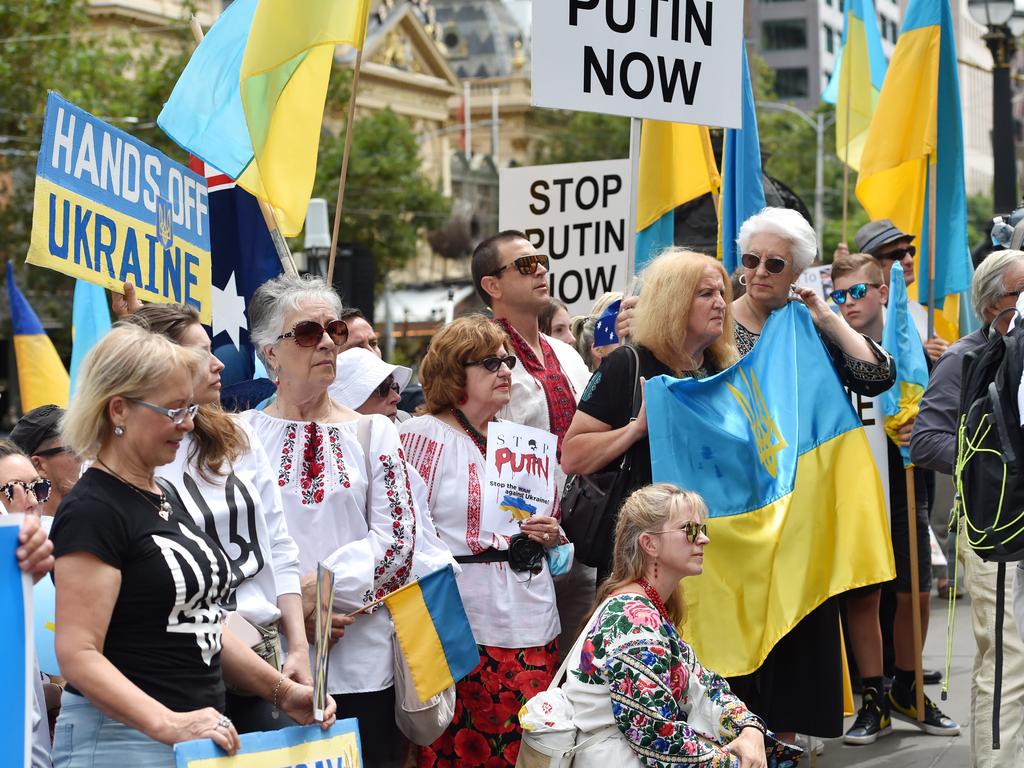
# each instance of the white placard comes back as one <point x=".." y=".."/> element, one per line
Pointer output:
<point x="818" y="278"/>
<point x="870" y="412"/>
<point x="673" y="60"/>
<point x="520" y="477"/>
<point x="576" y="213"/>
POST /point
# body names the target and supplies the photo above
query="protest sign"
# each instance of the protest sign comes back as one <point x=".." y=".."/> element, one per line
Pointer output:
<point x="819" y="279"/>
<point x="520" y="477"/>
<point x="577" y="213"/>
<point x="673" y="60"/>
<point x="296" y="747"/>
<point x="869" y="410"/>
<point x="16" y="684"/>
<point x="110" y="208"/>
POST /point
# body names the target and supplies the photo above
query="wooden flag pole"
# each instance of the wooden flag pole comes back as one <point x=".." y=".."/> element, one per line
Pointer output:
<point x="915" y="591"/>
<point x="349" y="127"/>
<point x="280" y="244"/>
<point x="847" y="75"/>
<point x="634" y="186"/>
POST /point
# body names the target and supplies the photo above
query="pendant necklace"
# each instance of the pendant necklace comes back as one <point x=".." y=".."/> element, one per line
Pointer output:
<point x="478" y="439"/>
<point x="163" y="508"/>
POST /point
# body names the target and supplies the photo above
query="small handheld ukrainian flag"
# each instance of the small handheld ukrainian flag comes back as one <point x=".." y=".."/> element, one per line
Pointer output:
<point x="42" y="377"/>
<point x="433" y="632"/>
<point x="901" y="403"/>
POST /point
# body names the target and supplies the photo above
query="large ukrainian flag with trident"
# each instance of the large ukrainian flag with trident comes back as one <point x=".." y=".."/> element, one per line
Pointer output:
<point x="797" y="512"/>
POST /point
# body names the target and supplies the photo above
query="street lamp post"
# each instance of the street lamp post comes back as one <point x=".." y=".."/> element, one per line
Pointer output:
<point x="1003" y="26"/>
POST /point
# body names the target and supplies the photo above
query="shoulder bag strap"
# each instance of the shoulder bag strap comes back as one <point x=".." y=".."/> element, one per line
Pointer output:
<point x="636" y="398"/>
<point x="363" y="425"/>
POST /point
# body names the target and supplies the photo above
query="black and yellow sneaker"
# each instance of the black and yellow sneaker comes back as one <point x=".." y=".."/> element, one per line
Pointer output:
<point x="902" y="704"/>
<point x="872" y="720"/>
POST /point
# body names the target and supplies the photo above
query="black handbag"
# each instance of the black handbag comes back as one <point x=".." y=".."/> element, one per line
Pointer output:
<point x="590" y="503"/>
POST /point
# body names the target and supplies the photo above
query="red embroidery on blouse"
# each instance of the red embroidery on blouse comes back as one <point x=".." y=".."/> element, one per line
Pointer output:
<point x="423" y="455"/>
<point x="395" y="567"/>
<point x="284" y="470"/>
<point x="473" y="511"/>
<point x="334" y="437"/>
<point x="311" y="479"/>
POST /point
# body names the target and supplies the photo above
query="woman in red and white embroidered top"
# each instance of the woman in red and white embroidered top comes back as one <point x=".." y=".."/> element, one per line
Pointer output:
<point x="345" y="493"/>
<point x="510" y="602"/>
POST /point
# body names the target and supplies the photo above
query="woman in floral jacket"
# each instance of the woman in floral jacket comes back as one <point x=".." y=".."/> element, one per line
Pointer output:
<point x="669" y="709"/>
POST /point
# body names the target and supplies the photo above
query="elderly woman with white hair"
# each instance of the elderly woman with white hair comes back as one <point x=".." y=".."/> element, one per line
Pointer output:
<point x="346" y="496"/>
<point x="799" y="686"/>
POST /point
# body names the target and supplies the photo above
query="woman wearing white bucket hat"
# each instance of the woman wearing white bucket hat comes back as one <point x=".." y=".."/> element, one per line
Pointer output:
<point x="367" y="384"/>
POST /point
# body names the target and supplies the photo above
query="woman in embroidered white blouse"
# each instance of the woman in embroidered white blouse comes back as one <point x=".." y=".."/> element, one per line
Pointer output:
<point x="466" y="377"/>
<point x="345" y="493"/>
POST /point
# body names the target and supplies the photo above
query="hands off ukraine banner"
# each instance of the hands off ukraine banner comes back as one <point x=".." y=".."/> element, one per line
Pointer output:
<point x="297" y="747"/>
<point x="796" y="510"/>
<point x="110" y="209"/>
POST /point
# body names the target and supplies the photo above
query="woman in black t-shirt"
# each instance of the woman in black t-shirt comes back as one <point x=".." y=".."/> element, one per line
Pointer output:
<point x="683" y="327"/>
<point x="140" y="586"/>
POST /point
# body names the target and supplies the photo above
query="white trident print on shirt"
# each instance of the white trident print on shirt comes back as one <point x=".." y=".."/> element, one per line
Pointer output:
<point x="196" y="611"/>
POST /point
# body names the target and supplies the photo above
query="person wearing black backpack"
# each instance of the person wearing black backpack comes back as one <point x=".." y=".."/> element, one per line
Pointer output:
<point x="996" y="286"/>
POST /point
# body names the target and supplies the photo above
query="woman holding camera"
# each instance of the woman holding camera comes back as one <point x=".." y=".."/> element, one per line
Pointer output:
<point x="505" y="582"/>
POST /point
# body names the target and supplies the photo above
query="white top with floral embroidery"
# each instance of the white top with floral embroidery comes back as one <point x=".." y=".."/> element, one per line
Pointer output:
<point x="363" y="532"/>
<point x="506" y="609"/>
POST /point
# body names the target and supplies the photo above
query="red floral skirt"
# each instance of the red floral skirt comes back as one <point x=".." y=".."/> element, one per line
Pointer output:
<point x="485" y="729"/>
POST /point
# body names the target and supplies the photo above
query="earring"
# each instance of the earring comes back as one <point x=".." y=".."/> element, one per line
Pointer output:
<point x="119" y="430"/>
<point x="743" y="279"/>
<point x="655" y="569"/>
<point x="463" y="399"/>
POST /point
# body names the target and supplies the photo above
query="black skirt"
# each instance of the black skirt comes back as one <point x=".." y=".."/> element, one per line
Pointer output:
<point x="799" y="688"/>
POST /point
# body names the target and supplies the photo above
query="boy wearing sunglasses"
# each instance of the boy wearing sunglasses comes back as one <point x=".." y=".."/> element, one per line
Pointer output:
<point x="861" y="294"/>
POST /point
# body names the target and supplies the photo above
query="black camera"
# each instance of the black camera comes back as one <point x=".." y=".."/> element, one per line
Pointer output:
<point x="525" y="554"/>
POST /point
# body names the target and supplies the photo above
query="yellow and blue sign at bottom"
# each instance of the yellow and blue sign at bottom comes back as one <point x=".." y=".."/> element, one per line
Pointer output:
<point x="299" y="747"/>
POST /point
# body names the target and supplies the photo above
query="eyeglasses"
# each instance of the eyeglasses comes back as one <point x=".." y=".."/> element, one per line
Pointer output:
<point x="526" y="265"/>
<point x="307" y="333"/>
<point x="51" y="451"/>
<point x="493" y="363"/>
<point x="40" y="489"/>
<point x="898" y="254"/>
<point x="690" y="528"/>
<point x="387" y="386"/>
<point x="857" y="292"/>
<point x="176" y="415"/>
<point x="773" y="264"/>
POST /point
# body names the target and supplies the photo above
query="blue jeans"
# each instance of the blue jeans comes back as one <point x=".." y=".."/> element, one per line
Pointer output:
<point x="85" y="738"/>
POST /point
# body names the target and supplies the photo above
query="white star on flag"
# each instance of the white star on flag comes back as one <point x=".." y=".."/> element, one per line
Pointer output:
<point x="229" y="312"/>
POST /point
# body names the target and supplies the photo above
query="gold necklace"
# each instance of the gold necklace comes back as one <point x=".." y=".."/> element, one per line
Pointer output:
<point x="163" y="508"/>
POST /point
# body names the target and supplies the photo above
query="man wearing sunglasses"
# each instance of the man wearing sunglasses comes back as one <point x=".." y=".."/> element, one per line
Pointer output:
<point x="861" y="294"/>
<point x="888" y="243"/>
<point x="37" y="433"/>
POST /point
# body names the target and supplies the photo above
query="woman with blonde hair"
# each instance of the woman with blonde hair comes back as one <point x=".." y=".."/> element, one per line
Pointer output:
<point x="683" y="327"/>
<point x="140" y="587"/>
<point x="632" y="670"/>
<point x="226" y="482"/>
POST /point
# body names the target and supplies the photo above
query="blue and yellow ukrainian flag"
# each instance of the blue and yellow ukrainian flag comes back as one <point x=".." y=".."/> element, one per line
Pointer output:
<point x="251" y="100"/>
<point x="742" y="184"/>
<point x="797" y="512"/>
<point x="917" y="130"/>
<point x="42" y="377"/>
<point x="677" y="165"/>
<point x="856" y="82"/>
<point x="433" y="632"/>
<point x="90" y="321"/>
<point x="901" y="340"/>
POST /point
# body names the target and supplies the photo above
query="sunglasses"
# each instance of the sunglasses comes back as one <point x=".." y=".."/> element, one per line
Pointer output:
<point x="691" y="529"/>
<point x="856" y="292"/>
<point x="525" y="265"/>
<point x="307" y="333"/>
<point x="773" y="264"/>
<point x="493" y="363"/>
<point x="176" y="415"/>
<point x="387" y="386"/>
<point x="40" y="489"/>
<point x="898" y="254"/>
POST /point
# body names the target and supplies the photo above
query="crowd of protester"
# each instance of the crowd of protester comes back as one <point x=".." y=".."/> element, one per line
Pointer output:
<point x="185" y="538"/>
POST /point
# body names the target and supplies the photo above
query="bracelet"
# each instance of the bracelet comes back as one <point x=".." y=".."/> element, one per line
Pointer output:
<point x="277" y="688"/>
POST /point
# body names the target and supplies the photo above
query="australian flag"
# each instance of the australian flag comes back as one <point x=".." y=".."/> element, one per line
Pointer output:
<point x="604" y="329"/>
<point x="243" y="258"/>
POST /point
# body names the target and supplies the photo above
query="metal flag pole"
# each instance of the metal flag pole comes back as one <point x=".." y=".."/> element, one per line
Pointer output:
<point x="634" y="185"/>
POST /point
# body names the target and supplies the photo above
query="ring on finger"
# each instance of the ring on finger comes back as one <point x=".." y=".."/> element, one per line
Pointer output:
<point x="224" y="722"/>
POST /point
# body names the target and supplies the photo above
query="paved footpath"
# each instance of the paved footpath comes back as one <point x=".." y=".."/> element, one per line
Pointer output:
<point x="907" y="747"/>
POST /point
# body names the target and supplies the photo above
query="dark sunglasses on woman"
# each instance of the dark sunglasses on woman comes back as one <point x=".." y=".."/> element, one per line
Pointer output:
<point x="39" y="489"/>
<point x="307" y="333"/>
<point x="525" y="265"/>
<point x="493" y="363"/>
<point x="773" y="264"/>
<point x="388" y="385"/>
<point x="856" y="292"/>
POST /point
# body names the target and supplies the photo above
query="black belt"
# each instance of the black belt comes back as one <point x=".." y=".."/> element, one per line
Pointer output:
<point x="487" y="556"/>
